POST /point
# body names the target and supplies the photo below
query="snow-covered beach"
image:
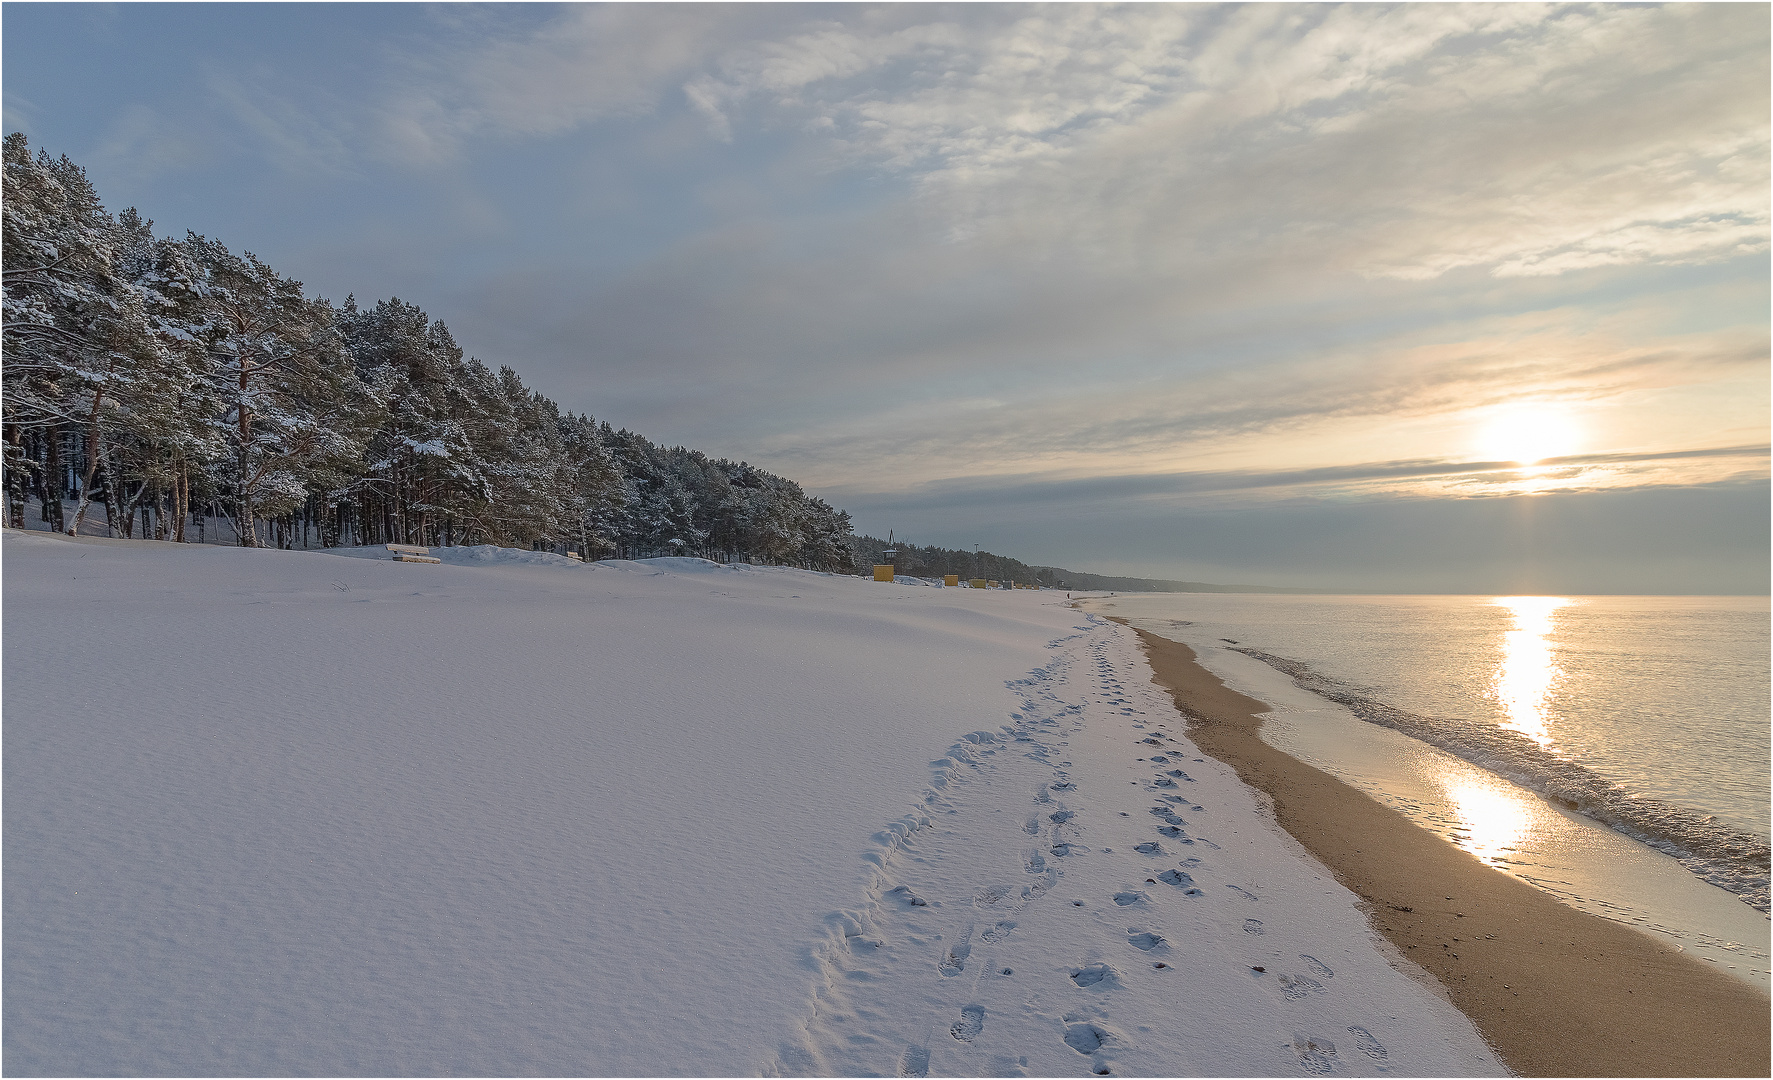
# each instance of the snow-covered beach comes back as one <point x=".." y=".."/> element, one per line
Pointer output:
<point x="287" y="812"/>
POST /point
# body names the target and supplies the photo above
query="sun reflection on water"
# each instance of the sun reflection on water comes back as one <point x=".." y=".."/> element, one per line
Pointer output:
<point x="1529" y="668"/>
<point x="1493" y="821"/>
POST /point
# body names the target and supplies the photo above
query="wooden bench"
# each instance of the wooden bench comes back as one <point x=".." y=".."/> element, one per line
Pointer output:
<point x="412" y="553"/>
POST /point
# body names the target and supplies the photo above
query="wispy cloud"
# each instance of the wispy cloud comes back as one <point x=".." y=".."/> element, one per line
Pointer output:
<point x="958" y="96"/>
<point x="1406" y="143"/>
<point x="588" y="63"/>
<point x="141" y="143"/>
<point x="1313" y="404"/>
<point x="292" y="130"/>
<point x="1382" y="479"/>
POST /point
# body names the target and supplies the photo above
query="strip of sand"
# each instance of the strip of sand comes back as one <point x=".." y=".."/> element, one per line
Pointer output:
<point x="1556" y="991"/>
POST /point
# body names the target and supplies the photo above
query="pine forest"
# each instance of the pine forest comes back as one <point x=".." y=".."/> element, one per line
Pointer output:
<point x="176" y="390"/>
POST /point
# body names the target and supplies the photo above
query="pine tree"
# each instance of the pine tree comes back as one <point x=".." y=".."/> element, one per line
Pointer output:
<point x="276" y="360"/>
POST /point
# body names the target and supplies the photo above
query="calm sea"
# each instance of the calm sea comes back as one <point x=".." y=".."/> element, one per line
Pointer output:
<point x="1614" y="750"/>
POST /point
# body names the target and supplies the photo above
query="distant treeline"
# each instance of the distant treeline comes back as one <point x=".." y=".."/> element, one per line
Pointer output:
<point x="1097" y="582"/>
<point x="172" y="380"/>
<point x="916" y="561"/>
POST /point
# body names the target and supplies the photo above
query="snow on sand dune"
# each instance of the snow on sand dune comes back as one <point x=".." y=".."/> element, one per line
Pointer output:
<point x="284" y="812"/>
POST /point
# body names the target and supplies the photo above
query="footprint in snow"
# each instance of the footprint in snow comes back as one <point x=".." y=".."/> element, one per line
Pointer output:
<point x="1149" y="847"/>
<point x="1316" y="1056"/>
<point x="905" y="896"/>
<point x="1179" y="774"/>
<point x="1163" y="782"/>
<point x="1041" y="794"/>
<point x="954" y="961"/>
<point x="1297" y="986"/>
<point x="1254" y="926"/>
<point x="915" y="1061"/>
<point x="1180" y="880"/>
<point x="1062" y="850"/>
<point x="1033" y="862"/>
<point x="1032" y="825"/>
<point x="971" y="1022"/>
<point x="1245" y="893"/>
<point x="1172" y="832"/>
<point x="1059" y="817"/>
<point x="991" y="894"/>
<point x="1318" y="967"/>
<point x="997" y="933"/>
<point x="1160" y="759"/>
<point x="1005" y="1065"/>
<point x="1094" y="975"/>
<point x="1086" y="1039"/>
<point x="1144" y="940"/>
<point x="1366" y="1044"/>
<point x="1129" y="897"/>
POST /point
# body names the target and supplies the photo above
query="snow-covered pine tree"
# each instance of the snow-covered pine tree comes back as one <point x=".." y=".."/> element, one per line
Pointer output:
<point x="597" y="485"/>
<point x="81" y="354"/>
<point x="165" y="429"/>
<point x="293" y="411"/>
<point x="423" y="471"/>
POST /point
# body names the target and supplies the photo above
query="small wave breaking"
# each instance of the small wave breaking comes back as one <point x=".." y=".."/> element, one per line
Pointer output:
<point x="1729" y="858"/>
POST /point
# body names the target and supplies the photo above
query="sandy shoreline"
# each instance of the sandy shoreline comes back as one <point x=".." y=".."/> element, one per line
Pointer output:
<point x="1556" y="991"/>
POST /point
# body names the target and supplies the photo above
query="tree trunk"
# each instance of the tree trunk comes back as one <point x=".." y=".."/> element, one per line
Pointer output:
<point x="127" y="514"/>
<point x="113" y="489"/>
<point x="244" y="526"/>
<point x="15" y="477"/>
<point x="92" y="465"/>
<point x="52" y="478"/>
<point x="181" y="502"/>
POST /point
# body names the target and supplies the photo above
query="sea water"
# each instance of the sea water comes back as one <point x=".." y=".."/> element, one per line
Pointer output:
<point x="1611" y="750"/>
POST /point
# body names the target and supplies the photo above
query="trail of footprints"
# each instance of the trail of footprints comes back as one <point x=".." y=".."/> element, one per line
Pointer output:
<point x="1058" y="834"/>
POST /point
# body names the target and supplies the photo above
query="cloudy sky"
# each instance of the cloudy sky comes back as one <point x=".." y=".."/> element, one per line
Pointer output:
<point x="1427" y="298"/>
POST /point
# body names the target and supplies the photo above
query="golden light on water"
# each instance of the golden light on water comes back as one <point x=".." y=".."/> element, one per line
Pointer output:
<point x="1529" y="668"/>
<point x="1493" y="821"/>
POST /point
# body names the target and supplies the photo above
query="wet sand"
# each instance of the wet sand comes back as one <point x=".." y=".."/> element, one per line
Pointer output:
<point x="1556" y="991"/>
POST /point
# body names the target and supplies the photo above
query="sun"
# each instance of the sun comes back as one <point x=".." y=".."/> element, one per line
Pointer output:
<point x="1528" y="434"/>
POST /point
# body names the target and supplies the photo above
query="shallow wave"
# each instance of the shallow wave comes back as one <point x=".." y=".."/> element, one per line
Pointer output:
<point x="1728" y="858"/>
